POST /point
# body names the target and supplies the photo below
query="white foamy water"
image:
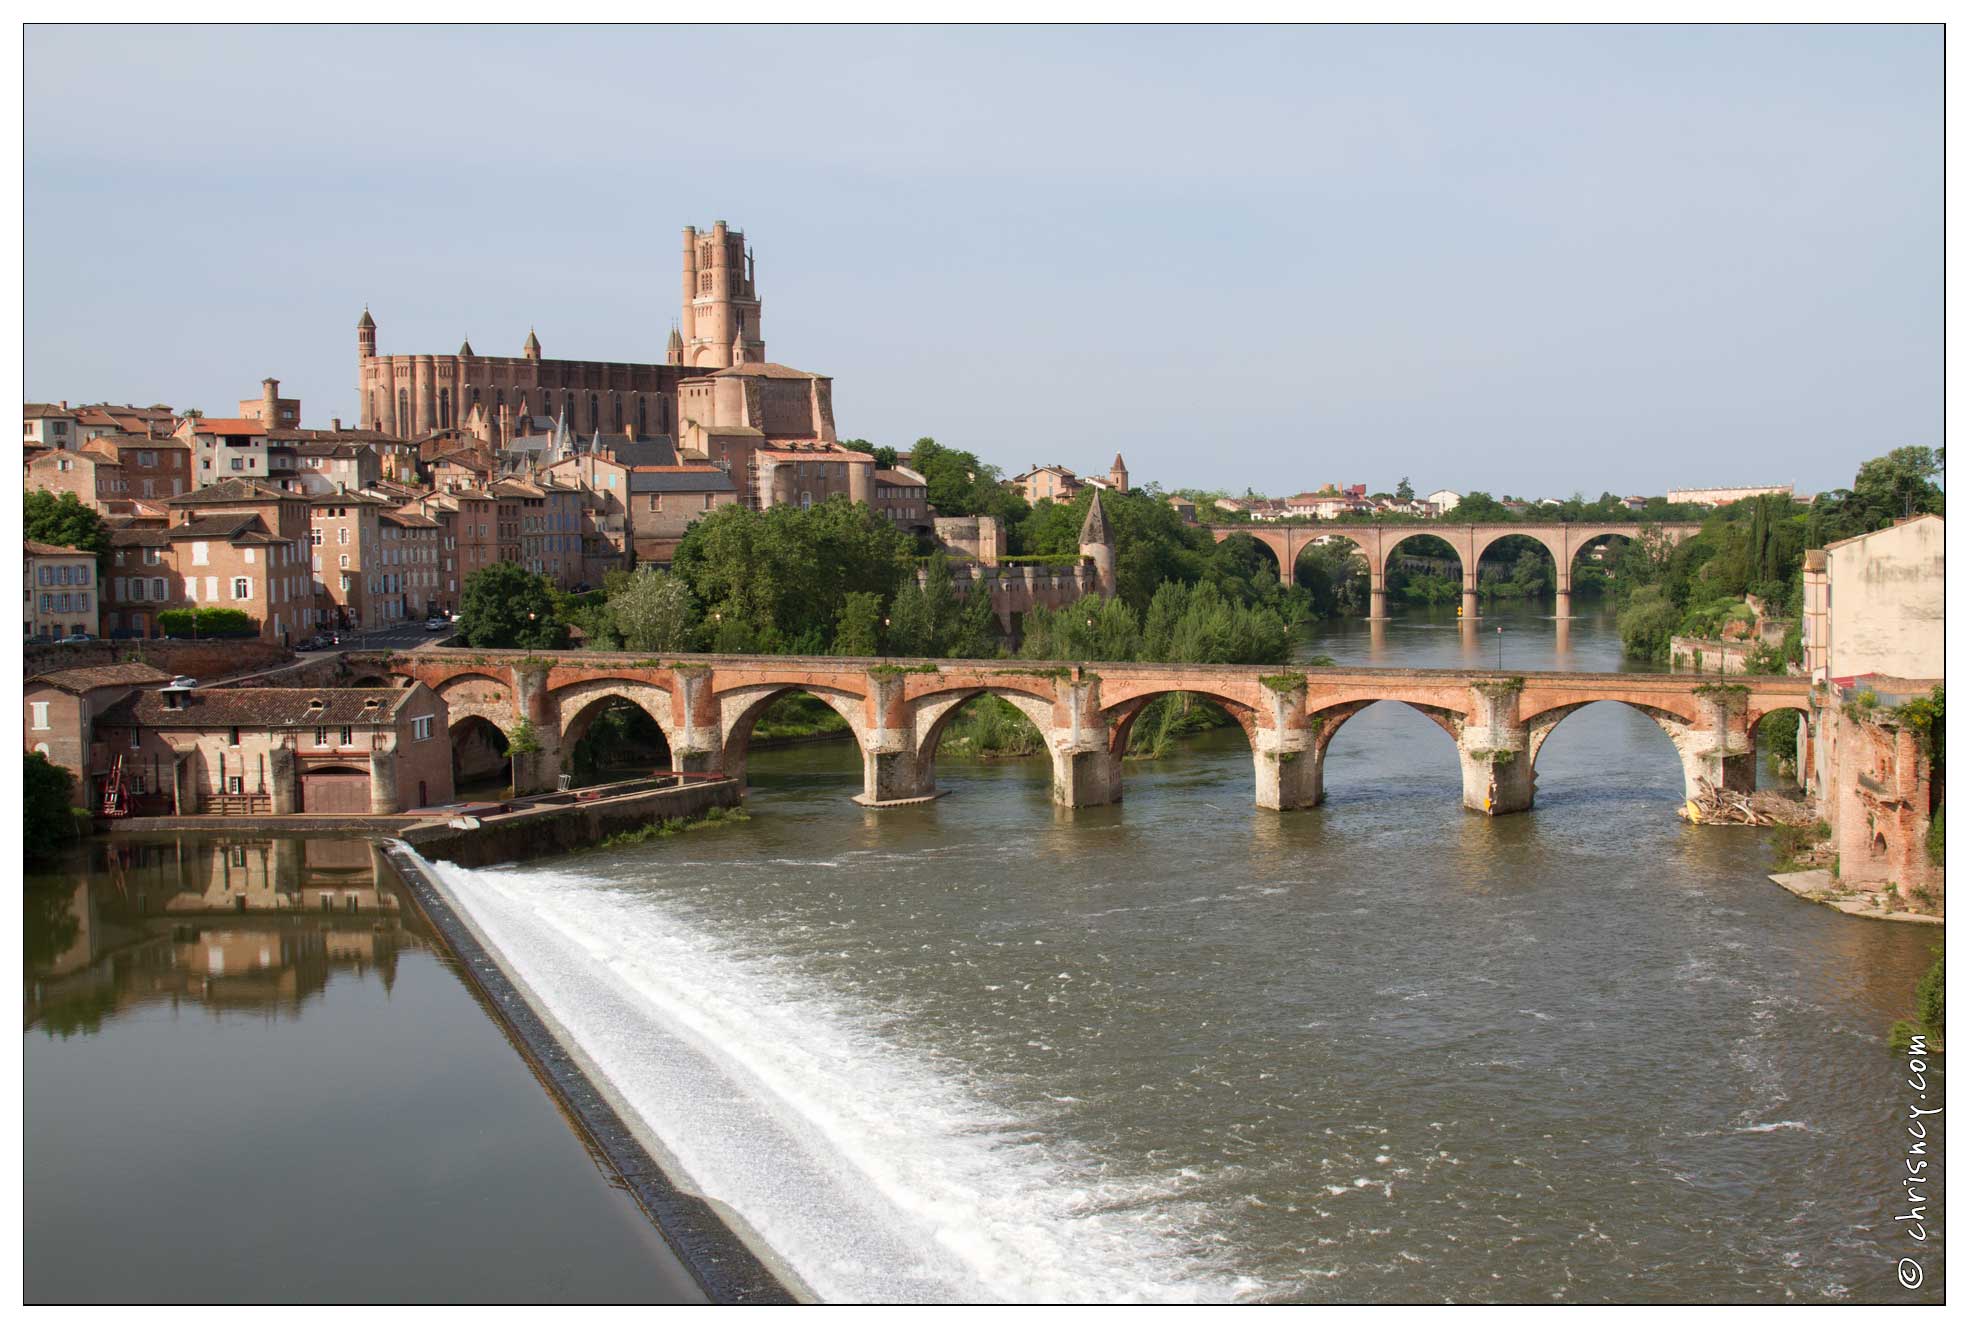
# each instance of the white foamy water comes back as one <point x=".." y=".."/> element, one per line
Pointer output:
<point x="875" y="1172"/>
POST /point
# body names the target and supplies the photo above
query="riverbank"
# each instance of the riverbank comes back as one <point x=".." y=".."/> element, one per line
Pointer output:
<point x="1818" y="886"/>
<point x="726" y="1268"/>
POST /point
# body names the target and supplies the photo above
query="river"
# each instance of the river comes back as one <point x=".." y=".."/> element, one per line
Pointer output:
<point x="1184" y="1049"/>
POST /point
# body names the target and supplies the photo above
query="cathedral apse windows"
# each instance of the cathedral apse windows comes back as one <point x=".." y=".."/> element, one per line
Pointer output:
<point x="444" y="408"/>
<point x="403" y="410"/>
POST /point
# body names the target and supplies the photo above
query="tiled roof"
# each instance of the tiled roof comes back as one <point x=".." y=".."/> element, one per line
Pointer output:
<point x="35" y="547"/>
<point x="900" y="478"/>
<point x="417" y="519"/>
<point x="813" y="452"/>
<point x="232" y="491"/>
<point x="41" y="410"/>
<point x="763" y="370"/>
<point x="265" y="708"/>
<point x="658" y="450"/>
<point x="679" y="480"/>
<point x="132" y="673"/>
<point x="227" y="425"/>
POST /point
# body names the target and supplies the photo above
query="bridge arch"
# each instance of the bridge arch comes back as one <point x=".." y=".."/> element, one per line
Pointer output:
<point x="935" y="711"/>
<point x="481" y="753"/>
<point x="739" y="709"/>
<point x="577" y="706"/>
<point x="1325" y="724"/>
<point x="1690" y="743"/>
<point x="1465" y="575"/>
<point x="485" y="695"/>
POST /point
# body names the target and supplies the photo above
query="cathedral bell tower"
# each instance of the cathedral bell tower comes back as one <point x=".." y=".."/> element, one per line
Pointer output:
<point x="720" y="314"/>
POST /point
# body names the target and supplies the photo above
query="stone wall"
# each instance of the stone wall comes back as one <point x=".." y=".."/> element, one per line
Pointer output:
<point x="572" y="825"/>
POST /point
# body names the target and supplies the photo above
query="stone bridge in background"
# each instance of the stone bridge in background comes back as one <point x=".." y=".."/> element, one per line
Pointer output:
<point x="707" y="706"/>
<point x="1377" y="544"/>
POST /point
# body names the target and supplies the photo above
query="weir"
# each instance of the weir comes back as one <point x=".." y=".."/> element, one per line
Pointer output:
<point x="896" y="710"/>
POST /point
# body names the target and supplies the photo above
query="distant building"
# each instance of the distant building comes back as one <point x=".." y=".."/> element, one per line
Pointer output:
<point x="1045" y="483"/>
<point x="1443" y="500"/>
<point x="1718" y="497"/>
<point x="61" y="598"/>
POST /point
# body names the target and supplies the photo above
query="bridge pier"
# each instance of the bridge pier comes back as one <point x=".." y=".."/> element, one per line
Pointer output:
<point x="1085" y="777"/>
<point x="1494" y="750"/>
<point x="1470" y="613"/>
<point x="1287" y="772"/>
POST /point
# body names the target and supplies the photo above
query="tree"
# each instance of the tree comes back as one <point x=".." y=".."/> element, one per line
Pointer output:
<point x="1900" y="484"/>
<point x="655" y="612"/>
<point x="67" y="521"/>
<point x="779" y="579"/>
<point x="1477" y="506"/>
<point x="1405" y="492"/>
<point x="504" y="606"/>
<point x="48" y="789"/>
<point x="858" y="627"/>
<point x="885" y="458"/>
<point x="974" y="636"/>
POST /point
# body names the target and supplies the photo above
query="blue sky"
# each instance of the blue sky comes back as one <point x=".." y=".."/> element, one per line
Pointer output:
<point x="1531" y="260"/>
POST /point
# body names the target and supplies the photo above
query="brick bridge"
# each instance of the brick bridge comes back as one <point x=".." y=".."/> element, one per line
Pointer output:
<point x="707" y="705"/>
<point x="1377" y="544"/>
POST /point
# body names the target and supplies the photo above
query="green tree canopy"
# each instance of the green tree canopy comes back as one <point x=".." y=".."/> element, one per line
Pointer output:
<point x="778" y="580"/>
<point x="66" y="520"/>
<point x="505" y="606"/>
<point x="655" y="611"/>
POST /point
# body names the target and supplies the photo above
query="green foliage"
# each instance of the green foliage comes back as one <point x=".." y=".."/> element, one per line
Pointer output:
<point x="989" y="726"/>
<point x="655" y="611"/>
<point x="48" y="792"/>
<point x="858" y="627"/>
<point x="1930" y="1007"/>
<point x="778" y="581"/>
<point x="960" y="485"/>
<point x="1200" y="625"/>
<point x="525" y="738"/>
<point x="1477" y="506"/>
<point x="1777" y="736"/>
<point x="67" y="521"/>
<point x="1935" y="837"/>
<point x="207" y="623"/>
<point x="1405" y="492"/>
<point x="505" y="606"/>
<point x="1924" y="717"/>
<point x="798" y="715"/>
<point x="1647" y="622"/>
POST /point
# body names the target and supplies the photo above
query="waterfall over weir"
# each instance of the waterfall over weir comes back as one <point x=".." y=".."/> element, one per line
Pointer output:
<point x="872" y="1171"/>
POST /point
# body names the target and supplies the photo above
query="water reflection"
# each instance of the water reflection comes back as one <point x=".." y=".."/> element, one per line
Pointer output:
<point x="225" y="922"/>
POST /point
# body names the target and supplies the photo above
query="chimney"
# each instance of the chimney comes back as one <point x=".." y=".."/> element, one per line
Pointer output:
<point x="270" y="402"/>
<point x="336" y="424"/>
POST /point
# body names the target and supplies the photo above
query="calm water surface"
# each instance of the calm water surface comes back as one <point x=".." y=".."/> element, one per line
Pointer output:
<point x="1184" y="1048"/>
<point x="1179" y="1048"/>
<point x="286" y="1103"/>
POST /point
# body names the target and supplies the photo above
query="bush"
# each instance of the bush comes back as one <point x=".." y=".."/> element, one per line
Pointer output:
<point x="207" y="623"/>
<point x="48" y="790"/>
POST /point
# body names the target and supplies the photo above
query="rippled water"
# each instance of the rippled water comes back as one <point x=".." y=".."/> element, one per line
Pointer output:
<point x="1182" y="1048"/>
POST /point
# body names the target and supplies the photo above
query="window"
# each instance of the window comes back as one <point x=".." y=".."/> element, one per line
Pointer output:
<point x="345" y="560"/>
<point x="137" y="588"/>
<point x="242" y="588"/>
<point x="656" y="502"/>
<point x="420" y="727"/>
<point x="348" y="736"/>
<point x="342" y="535"/>
<point x="40" y="710"/>
<point x="321" y="738"/>
<point x="232" y="736"/>
<point x="153" y="556"/>
<point x="157" y="589"/>
<point x="249" y="555"/>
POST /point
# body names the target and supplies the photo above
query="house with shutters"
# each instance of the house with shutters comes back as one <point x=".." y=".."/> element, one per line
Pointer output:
<point x="243" y="751"/>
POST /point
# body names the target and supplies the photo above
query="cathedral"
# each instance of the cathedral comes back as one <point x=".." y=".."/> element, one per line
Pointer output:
<point x="715" y="395"/>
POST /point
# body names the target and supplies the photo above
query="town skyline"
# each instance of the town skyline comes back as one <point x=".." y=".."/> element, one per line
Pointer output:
<point x="1066" y="294"/>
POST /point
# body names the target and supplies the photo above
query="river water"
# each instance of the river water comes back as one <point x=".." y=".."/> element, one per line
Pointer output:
<point x="1182" y="1048"/>
<point x="1185" y="1049"/>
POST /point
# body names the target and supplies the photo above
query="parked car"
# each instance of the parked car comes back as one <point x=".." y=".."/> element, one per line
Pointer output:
<point x="74" y="639"/>
<point x="436" y="623"/>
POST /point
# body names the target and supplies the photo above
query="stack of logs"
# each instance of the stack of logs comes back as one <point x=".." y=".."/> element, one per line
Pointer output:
<point x="1726" y="807"/>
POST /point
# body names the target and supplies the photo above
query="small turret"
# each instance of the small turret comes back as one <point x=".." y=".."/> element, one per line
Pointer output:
<point x="738" y="342"/>
<point x="466" y="348"/>
<point x="366" y="335"/>
<point x="675" y="353"/>
<point x="532" y="349"/>
<point x="1097" y="544"/>
<point x="1118" y="475"/>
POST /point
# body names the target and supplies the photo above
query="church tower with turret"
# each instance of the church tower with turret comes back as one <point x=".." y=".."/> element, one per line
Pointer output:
<point x="721" y="324"/>
<point x="1097" y="544"/>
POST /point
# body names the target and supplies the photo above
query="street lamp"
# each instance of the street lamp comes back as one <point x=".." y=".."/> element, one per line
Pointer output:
<point x="1500" y="648"/>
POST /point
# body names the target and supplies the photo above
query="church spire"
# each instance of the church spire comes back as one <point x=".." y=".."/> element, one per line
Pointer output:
<point x="532" y="345"/>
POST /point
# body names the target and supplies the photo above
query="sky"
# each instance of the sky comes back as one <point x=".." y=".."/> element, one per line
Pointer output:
<point x="1528" y="260"/>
